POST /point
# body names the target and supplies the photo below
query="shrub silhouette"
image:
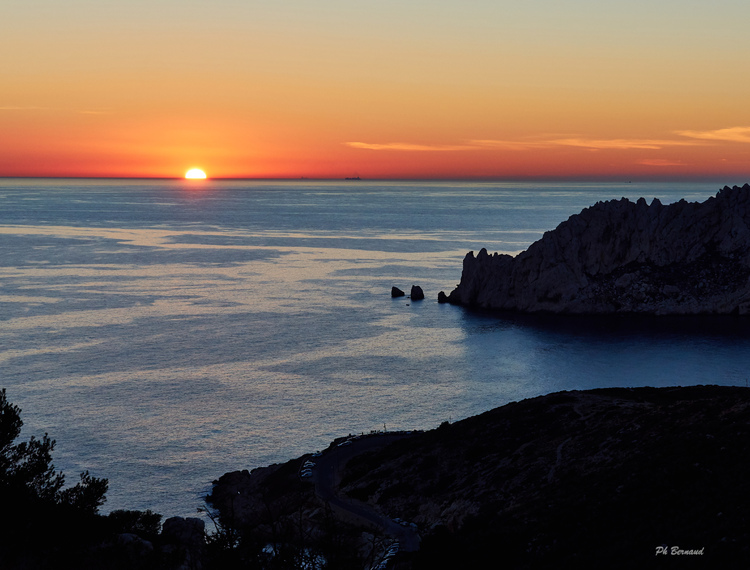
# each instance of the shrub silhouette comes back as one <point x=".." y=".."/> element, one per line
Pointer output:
<point x="49" y="523"/>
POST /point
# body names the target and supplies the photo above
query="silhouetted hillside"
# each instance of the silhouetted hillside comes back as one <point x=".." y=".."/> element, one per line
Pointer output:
<point x="572" y="479"/>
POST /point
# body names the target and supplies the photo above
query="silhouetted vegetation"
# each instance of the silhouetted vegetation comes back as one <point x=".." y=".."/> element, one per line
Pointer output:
<point x="49" y="525"/>
<point x="142" y="523"/>
<point x="46" y="518"/>
<point x="573" y="479"/>
<point x="272" y="521"/>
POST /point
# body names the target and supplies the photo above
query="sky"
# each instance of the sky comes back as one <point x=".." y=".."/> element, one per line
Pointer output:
<point x="379" y="89"/>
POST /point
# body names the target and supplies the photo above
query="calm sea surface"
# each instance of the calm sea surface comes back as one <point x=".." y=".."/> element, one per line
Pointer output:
<point x="166" y="332"/>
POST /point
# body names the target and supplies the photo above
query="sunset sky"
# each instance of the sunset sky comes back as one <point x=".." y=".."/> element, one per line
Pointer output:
<point x="379" y="89"/>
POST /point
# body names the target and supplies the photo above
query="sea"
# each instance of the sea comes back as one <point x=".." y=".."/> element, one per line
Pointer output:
<point x="165" y="332"/>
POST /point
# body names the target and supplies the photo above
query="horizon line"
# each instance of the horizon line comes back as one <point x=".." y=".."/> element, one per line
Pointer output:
<point x="618" y="178"/>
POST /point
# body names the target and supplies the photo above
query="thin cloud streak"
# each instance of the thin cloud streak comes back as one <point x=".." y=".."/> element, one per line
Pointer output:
<point x="732" y="134"/>
<point x="408" y="147"/>
<point x="508" y="145"/>
<point x="32" y="108"/>
<point x="489" y="144"/>
<point x="469" y="145"/>
<point x="621" y="144"/>
<point x="660" y="162"/>
<point x="593" y="144"/>
<point x="19" y="108"/>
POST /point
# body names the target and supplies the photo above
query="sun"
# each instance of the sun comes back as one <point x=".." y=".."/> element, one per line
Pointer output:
<point x="195" y="174"/>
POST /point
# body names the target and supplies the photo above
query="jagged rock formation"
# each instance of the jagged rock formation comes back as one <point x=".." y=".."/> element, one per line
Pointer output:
<point x="416" y="293"/>
<point x="396" y="292"/>
<point x="625" y="257"/>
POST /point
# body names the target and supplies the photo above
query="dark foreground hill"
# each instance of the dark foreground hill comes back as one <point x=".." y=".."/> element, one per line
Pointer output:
<point x="625" y="257"/>
<point x="612" y="478"/>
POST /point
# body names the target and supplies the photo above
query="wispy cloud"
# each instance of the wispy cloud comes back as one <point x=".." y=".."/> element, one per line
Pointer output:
<point x="508" y="145"/>
<point x="488" y="144"/>
<point x="740" y="134"/>
<point x="732" y="134"/>
<point x="34" y="108"/>
<point x="409" y="147"/>
<point x="20" y="108"/>
<point x="592" y="144"/>
<point x="621" y="144"/>
<point x="660" y="162"/>
<point x="478" y="144"/>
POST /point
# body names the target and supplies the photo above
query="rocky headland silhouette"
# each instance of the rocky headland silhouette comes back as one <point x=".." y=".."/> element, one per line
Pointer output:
<point x="621" y="256"/>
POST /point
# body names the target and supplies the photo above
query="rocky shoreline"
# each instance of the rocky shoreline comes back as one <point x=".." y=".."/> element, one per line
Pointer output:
<point x="577" y="478"/>
<point x="625" y="257"/>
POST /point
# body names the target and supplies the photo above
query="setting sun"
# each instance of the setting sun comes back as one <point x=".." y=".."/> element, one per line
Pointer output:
<point x="195" y="173"/>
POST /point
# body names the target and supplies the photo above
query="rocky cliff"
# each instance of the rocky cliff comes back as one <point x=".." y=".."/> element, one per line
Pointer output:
<point x="625" y="257"/>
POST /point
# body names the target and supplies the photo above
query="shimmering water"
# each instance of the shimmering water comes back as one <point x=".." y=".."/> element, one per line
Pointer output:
<point x="165" y="332"/>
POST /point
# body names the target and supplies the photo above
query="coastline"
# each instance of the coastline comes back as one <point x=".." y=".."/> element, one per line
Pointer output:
<point x="597" y="475"/>
<point x="189" y="339"/>
<point x="623" y="257"/>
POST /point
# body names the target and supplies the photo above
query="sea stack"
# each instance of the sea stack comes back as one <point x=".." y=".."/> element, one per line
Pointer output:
<point x="416" y="293"/>
<point x="625" y="257"/>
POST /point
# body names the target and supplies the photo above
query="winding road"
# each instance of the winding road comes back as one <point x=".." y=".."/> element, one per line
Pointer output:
<point x="327" y="477"/>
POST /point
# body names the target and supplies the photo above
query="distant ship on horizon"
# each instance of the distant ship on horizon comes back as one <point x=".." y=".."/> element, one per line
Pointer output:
<point x="352" y="178"/>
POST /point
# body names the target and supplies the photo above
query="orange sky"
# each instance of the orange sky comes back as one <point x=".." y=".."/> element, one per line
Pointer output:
<point x="390" y="89"/>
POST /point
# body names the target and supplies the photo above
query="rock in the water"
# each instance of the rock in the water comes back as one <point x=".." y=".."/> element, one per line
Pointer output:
<point x="396" y="292"/>
<point x="442" y="297"/>
<point x="416" y="293"/>
<point x="625" y="257"/>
